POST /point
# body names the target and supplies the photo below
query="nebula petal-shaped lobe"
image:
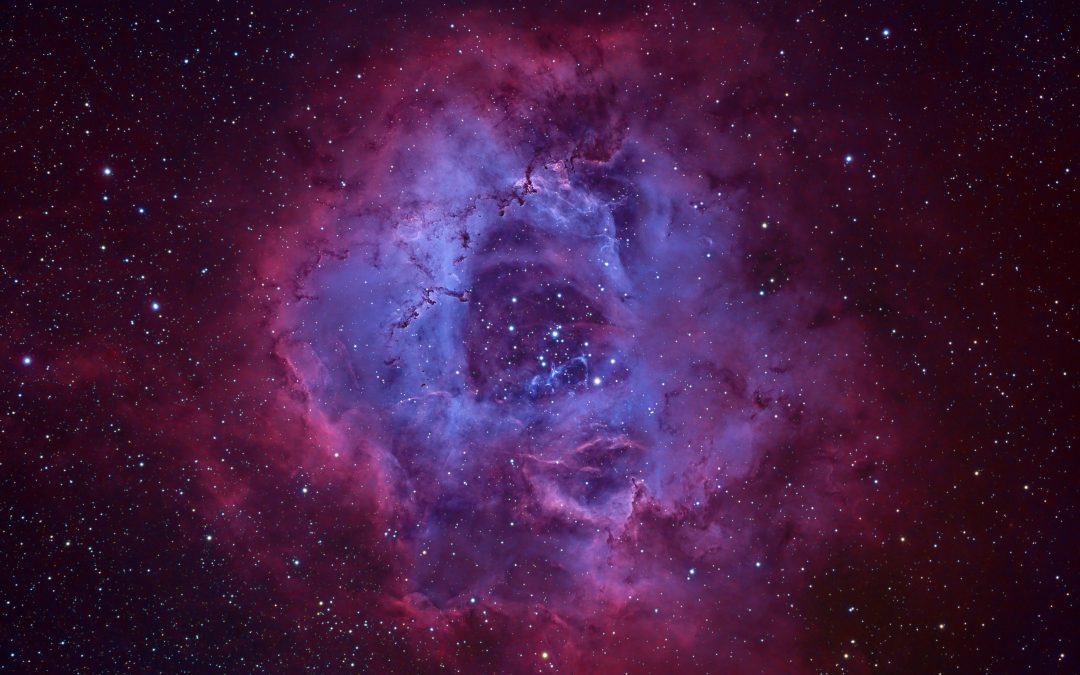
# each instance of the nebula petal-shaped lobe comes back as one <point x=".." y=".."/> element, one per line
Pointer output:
<point x="594" y="393"/>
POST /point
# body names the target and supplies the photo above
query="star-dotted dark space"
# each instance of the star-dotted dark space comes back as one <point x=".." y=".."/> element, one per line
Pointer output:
<point x="578" y="337"/>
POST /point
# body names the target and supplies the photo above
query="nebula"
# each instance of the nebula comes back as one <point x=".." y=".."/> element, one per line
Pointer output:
<point x="556" y="337"/>
<point x="554" y="315"/>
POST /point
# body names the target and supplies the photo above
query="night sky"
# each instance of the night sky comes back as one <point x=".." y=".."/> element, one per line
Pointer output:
<point x="520" y="338"/>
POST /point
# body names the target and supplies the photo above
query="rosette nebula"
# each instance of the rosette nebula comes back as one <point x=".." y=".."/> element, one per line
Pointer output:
<point x="502" y="340"/>
<point x="601" y="395"/>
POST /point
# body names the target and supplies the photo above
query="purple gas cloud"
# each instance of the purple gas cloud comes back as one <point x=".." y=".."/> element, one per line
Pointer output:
<point x="560" y="337"/>
<point x="569" y="326"/>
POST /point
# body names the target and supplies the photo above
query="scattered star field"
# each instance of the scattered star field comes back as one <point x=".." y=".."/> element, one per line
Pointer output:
<point x="478" y="337"/>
